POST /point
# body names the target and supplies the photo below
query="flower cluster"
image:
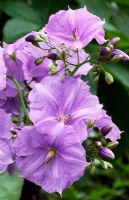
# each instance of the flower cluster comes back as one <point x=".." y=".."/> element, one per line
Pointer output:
<point x="47" y="113"/>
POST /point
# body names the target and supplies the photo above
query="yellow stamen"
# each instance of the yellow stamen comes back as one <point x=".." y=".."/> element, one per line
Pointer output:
<point x="51" y="154"/>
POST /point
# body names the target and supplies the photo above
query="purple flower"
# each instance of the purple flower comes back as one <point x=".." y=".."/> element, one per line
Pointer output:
<point x="5" y="125"/>
<point x="75" y="28"/>
<point x="67" y="101"/>
<point x="13" y="65"/>
<point x="6" y="154"/>
<point x="9" y="100"/>
<point x="3" y="71"/>
<point x="106" y="121"/>
<point x="53" y="160"/>
<point x="29" y="56"/>
<point x="117" y="52"/>
<point x="14" y="62"/>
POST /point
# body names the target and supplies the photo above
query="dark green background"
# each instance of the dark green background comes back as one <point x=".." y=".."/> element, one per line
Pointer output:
<point x="20" y="17"/>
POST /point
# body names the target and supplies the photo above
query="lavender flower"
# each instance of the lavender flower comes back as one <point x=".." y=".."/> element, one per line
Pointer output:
<point x="13" y="64"/>
<point x="9" y="100"/>
<point x="53" y="160"/>
<point x="6" y="153"/>
<point x="67" y="101"/>
<point x="3" y="71"/>
<point x="105" y="121"/>
<point x="75" y="28"/>
<point x="5" y="125"/>
<point x="29" y="57"/>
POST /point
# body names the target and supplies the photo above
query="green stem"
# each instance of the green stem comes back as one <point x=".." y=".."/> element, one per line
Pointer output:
<point x="21" y="100"/>
<point x="19" y="116"/>
<point x="79" y="65"/>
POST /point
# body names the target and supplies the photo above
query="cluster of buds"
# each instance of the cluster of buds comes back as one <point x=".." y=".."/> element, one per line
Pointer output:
<point x="99" y="150"/>
<point x="103" y="155"/>
<point x="111" y="53"/>
<point x="108" y="54"/>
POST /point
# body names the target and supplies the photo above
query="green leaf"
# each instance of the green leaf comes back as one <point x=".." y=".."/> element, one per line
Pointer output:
<point x="46" y="8"/>
<point x="121" y="20"/>
<point x="21" y="10"/>
<point x="100" y="8"/>
<point x="16" y="28"/>
<point x="110" y="27"/>
<point x="10" y="186"/>
<point x="115" y="99"/>
<point x="120" y="72"/>
<point x="123" y="2"/>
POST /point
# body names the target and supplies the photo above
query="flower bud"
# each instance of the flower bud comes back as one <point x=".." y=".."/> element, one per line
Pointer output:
<point x="106" y="153"/>
<point x="92" y="169"/>
<point x="118" y="55"/>
<point x="94" y="73"/>
<point x="98" y="144"/>
<point x="114" y="41"/>
<point x="39" y="60"/>
<point x="104" y="164"/>
<point x="30" y="38"/>
<point x="33" y="39"/>
<point x="108" y="78"/>
<point x="106" y="129"/>
<point x="112" y="145"/>
<point x="105" y="51"/>
<point x="53" y="69"/>
<point x="116" y="58"/>
<point x="53" y="56"/>
<point x="109" y="165"/>
<point x="43" y="35"/>
<point x="96" y="79"/>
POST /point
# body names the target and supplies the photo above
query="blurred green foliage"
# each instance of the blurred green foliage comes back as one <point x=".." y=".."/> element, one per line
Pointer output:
<point x="18" y="17"/>
<point x="10" y="186"/>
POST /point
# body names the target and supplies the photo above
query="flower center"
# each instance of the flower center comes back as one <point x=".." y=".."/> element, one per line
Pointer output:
<point x="66" y="119"/>
<point x="75" y="35"/>
<point x="50" y="155"/>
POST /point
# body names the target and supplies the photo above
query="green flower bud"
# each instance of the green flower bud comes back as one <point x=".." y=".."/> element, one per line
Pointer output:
<point x="116" y="58"/>
<point x="112" y="145"/>
<point x="108" y="78"/>
<point x="53" y="69"/>
<point x="104" y="164"/>
<point x="39" y="60"/>
<point x="96" y="79"/>
<point x="109" y="165"/>
<point x="92" y="169"/>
